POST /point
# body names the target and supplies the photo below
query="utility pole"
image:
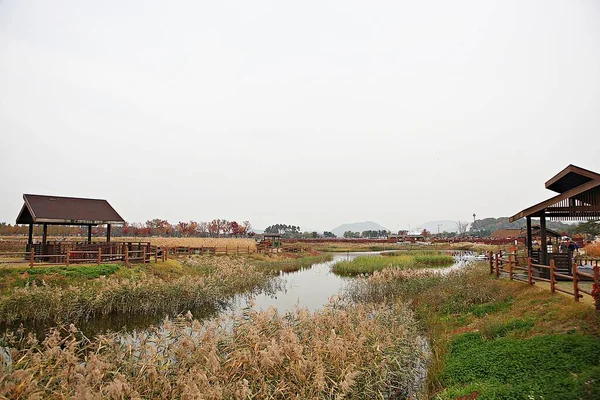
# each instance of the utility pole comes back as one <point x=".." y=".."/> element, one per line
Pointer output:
<point x="439" y="228"/>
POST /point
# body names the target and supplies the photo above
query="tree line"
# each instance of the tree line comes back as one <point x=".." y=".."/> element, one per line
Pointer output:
<point x="155" y="227"/>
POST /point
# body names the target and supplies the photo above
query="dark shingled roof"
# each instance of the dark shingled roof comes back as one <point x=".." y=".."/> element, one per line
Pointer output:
<point x="40" y="209"/>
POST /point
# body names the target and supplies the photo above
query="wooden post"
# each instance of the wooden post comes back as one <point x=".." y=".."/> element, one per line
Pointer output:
<point x="99" y="255"/>
<point x="511" y="259"/>
<point x="126" y="252"/>
<point x="31" y="257"/>
<point x="108" y="233"/>
<point x="189" y="251"/>
<point x="552" y="277"/>
<point x="497" y="266"/>
<point x="225" y="250"/>
<point x="67" y="257"/>
<point x="596" y="287"/>
<point x="237" y="250"/>
<point x="201" y="250"/>
<point x="529" y="237"/>
<point x="89" y="238"/>
<point x="155" y="255"/>
<point x="575" y="282"/>
<point x="529" y="272"/>
<point x="544" y="240"/>
<point x="491" y="262"/>
<point x="30" y="237"/>
<point x="166" y="249"/>
<point x="144" y="255"/>
<point x="44" y="238"/>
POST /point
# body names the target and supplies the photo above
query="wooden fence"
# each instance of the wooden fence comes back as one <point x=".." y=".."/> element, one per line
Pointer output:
<point x="529" y="272"/>
<point x="145" y="254"/>
<point x="126" y="253"/>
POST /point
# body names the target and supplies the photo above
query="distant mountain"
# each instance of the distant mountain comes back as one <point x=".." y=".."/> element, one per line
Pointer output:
<point x="444" y="225"/>
<point x="357" y="227"/>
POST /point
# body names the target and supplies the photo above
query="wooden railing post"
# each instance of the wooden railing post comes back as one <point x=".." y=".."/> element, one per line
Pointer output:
<point x="31" y="256"/>
<point x="99" y="255"/>
<point x="155" y="255"/>
<point x="144" y="255"/>
<point x="596" y="287"/>
<point x="248" y="249"/>
<point x="226" y="250"/>
<point x="165" y="250"/>
<point x="237" y="250"/>
<point x="67" y="257"/>
<point x="511" y="259"/>
<point x="126" y="255"/>
<point x="491" y="261"/>
<point x="497" y="265"/>
<point x="552" y="277"/>
<point x="529" y="271"/>
<point x="575" y="282"/>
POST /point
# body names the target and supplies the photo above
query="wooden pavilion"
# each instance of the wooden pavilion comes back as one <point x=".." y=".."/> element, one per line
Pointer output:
<point x="56" y="210"/>
<point x="578" y="199"/>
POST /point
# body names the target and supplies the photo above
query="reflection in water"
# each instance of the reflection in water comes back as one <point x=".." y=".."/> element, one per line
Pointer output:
<point x="310" y="288"/>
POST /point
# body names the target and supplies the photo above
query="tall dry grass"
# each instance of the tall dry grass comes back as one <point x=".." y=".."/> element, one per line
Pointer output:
<point x="592" y="249"/>
<point x="362" y="351"/>
<point x="193" y="242"/>
<point x="218" y="279"/>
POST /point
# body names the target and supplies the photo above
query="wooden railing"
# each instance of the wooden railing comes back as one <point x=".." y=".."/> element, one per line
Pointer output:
<point x="144" y="255"/>
<point x="506" y="266"/>
<point x="126" y="253"/>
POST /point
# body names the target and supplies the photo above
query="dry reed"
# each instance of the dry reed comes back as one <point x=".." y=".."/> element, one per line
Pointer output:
<point x="362" y="351"/>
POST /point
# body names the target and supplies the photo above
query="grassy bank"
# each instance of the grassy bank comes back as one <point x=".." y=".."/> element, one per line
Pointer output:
<point x="496" y="339"/>
<point x="77" y="293"/>
<point x="370" y="264"/>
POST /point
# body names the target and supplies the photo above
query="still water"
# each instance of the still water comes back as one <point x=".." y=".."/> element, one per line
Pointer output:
<point x="309" y="288"/>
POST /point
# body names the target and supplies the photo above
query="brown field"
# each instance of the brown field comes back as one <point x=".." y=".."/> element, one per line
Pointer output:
<point x="18" y="242"/>
<point x="192" y="242"/>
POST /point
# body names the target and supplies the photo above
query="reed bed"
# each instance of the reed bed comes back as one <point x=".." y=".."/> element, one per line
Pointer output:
<point x="205" y="282"/>
<point x="359" y="351"/>
<point x="370" y="264"/>
<point x="287" y="264"/>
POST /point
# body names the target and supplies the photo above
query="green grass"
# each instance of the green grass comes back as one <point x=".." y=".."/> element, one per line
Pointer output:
<point x="370" y="264"/>
<point x="83" y="271"/>
<point x="480" y="310"/>
<point x="541" y="367"/>
<point x="277" y="265"/>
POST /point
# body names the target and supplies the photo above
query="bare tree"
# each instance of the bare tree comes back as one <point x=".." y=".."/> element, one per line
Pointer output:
<point x="462" y="227"/>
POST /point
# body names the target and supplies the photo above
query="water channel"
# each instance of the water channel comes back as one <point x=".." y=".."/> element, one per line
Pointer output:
<point x="309" y="288"/>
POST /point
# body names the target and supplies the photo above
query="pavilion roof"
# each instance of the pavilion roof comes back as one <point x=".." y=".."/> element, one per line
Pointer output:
<point x="578" y="198"/>
<point x="39" y="209"/>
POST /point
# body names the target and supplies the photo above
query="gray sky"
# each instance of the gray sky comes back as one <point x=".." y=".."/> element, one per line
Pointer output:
<point x="311" y="113"/>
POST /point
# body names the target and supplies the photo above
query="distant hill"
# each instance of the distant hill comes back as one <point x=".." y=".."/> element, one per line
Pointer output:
<point x="357" y="227"/>
<point x="432" y="226"/>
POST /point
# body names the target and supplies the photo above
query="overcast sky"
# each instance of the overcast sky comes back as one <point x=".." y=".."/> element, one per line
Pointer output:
<point x="312" y="113"/>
